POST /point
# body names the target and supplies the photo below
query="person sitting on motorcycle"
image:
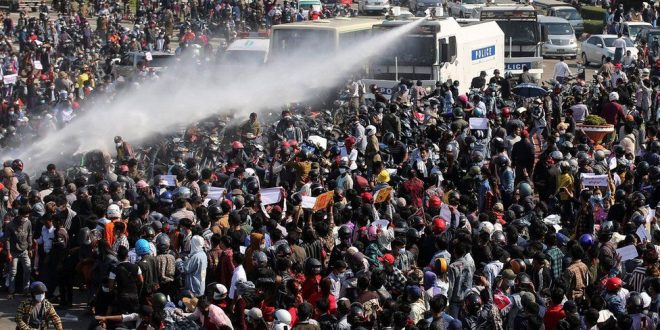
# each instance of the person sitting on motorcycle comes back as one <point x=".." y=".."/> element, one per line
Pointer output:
<point x="237" y="154"/>
<point x="251" y="129"/>
<point x="479" y="82"/>
<point x="628" y="59"/>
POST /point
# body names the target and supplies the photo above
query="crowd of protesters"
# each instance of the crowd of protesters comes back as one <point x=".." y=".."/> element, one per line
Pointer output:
<point x="409" y="218"/>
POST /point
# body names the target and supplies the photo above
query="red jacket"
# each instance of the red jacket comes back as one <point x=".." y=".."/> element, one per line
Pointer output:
<point x="613" y="112"/>
<point x="553" y="315"/>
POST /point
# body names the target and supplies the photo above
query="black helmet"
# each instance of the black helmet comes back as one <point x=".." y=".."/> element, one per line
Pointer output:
<point x="389" y="138"/>
<point x="38" y="288"/>
<point x="316" y="189"/>
<point x="162" y="243"/>
<point x="344" y="232"/>
<point x="158" y="300"/>
<point x="638" y="199"/>
<point x="356" y="315"/>
<point x="84" y="236"/>
<point x="44" y="182"/>
<point x="283" y="250"/>
<point x="250" y="199"/>
<point x="635" y="303"/>
<point x="655" y="146"/>
<point x="401" y="227"/>
<point x="296" y="199"/>
<point x="454" y="198"/>
<point x="472" y="303"/>
<point x="654" y="172"/>
<point x="312" y="266"/>
<point x="252" y="187"/>
<point x="412" y="233"/>
<point x="214" y="211"/>
<point x="518" y="210"/>
<point x="417" y="222"/>
<point x="619" y="150"/>
<point x="498" y="237"/>
<point x="642" y="168"/>
<point x="234" y="183"/>
<point x="147" y="232"/>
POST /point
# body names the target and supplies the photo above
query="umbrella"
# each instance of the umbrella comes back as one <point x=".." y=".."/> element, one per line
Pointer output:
<point x="529" y="90"/>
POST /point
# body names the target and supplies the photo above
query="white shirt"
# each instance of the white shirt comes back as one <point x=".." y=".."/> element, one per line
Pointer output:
<point x="46" y="239"/>
<point x="619" y="43"/>
<point x="561" y="70"/>
<point x="336" y="284"/>
<point x="237" y="276"/>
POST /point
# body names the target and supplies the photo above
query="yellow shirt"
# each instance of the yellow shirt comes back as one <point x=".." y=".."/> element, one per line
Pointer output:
<point x="565" y="181"/>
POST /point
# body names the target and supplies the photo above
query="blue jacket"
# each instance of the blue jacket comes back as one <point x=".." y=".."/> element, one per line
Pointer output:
<point x="194" y="268"/>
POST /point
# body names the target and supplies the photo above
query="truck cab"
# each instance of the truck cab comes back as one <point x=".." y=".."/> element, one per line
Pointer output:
<point x="558" y="37"/>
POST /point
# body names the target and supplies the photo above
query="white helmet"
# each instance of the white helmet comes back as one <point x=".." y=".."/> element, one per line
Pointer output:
<point x="282" y="316"/>
<point x="370" y="130"/>
<point x="614" y="96"/>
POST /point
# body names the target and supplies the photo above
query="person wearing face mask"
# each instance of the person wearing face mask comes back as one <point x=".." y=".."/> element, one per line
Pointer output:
<point x="344" y="181"/>
<point x="124" y="150"/>
<point x="36" y="312"/>
<point x="193" y="269"/>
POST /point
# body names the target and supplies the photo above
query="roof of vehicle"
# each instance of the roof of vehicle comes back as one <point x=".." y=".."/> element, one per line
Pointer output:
<point x="638" y="23"/>
<point x="506" y="6"/>
<point x="551" y="3"/>
<point x="249" y="44"/>
<point x="340" y="23"/>
<point x="563" y="7"/>
<point x="551" y="19"/>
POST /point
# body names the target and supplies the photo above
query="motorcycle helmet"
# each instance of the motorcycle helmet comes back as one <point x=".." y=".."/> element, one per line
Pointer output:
<point x="237" y="145"/>
<point x="162" y="243"/>
<point x="472" y="302"/>
<point x="166" y="198"/>
<point x="142" y="247"/>
<point x="586" y="240"/>
<point x="282" y="316"/>
<point x="182" y="192"/>
<point x="312" y="266"/>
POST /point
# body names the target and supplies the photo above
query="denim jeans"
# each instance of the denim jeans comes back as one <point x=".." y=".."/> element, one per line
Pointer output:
<point x="22" y="259"/>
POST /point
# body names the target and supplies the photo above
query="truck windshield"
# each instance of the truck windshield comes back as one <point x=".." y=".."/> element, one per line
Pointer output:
<point x="245" y="57"/>
<point x="559" y="29"/>
<point x="523" y="33"/>
<point x="288" y="41"/>
<point x="569" y="14"/>
<point x="411" y="50"/>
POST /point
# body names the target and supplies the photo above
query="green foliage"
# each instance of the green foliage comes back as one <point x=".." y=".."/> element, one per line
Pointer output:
<point x="594" y="120"/>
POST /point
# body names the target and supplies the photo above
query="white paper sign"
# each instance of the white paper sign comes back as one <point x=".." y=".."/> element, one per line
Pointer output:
<point x="216" y="193"/>
<point x="478" y="123"/>
<point x="627" y="252"/>
<point x="10" y="79"/>
<point x="37" y="65"/>
<point x="308" y="202"/>
<point x="593" y="180"/>
<point x="271" y="195"/>
<point x="382" y="223"/>
<point x="242" y="249"/>
<point x="319" y="141"/>
<point x="171" y="179"/>
<point x="148" y="56"/>
<point x="641" y="232"/>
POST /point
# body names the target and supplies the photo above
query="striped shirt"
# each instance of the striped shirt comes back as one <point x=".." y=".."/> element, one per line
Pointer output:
<point x="637" y="278"/>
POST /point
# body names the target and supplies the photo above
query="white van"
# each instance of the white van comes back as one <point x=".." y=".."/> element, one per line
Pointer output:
<point x="248" y="52"/>
<point x="558" y="37"/>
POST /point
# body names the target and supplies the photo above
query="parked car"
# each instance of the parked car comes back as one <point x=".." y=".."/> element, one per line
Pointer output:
<point x="558" y="37"/>
<point x="600" y="46"/>
<point x="419" y="6"/>
<point x="632" y="29"/>
<point x="463" y="8"/>
<point x="373" y="7"/>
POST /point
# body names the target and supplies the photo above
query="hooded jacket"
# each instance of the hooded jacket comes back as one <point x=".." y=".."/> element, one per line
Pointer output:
<point x="194" y="268"/>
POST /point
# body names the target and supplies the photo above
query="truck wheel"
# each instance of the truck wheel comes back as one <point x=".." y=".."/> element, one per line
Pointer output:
<point x="461" y="15"/>
<point x="584" y="59"/>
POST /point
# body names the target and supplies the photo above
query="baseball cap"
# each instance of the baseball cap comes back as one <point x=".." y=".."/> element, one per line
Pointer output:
<point x="387" y="258"/>
<point x="367" y="197"/>
<point x="508" y="274"/>
<point x="113" y="211"/>
<point x="254" y="313"/>
<point x="221" y="291"/>
<point x="141" y="184"/>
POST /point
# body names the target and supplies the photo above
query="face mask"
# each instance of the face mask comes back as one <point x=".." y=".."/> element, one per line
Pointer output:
<point x="40" y="297"/>
<point x="562" y="131"/>
<point x="106" y="290"/>
<point x="262" y="246"/>
<point x="402" y="251"/>
<point x="510" y="283"/>
<point x="342" y="170"/>
<point x="118" y="144"/>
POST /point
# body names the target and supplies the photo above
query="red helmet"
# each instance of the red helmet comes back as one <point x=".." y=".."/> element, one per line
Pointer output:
<point x="237" y="145"/>
<point x="613" y="284"/>
<point x="506" y="112"/>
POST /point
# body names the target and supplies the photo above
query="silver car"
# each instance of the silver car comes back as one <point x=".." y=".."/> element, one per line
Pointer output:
<point x="558" y="37"/>
<point x="601" y="46"/>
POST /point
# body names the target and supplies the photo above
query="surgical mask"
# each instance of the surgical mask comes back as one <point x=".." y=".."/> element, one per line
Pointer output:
<point x="104" y="289"/>
<point x="510" y="283"/>
<point x="118" y="144"/>
<point x="342" y="170"/>
<point x="40" y="297"/>
<point x="262" y="246"/>
<point x="599" y="197"/>
<point x="562" y="131"/>
<point x="402" y="251"/>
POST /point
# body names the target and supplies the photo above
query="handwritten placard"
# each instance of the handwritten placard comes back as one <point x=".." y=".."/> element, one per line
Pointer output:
<point x="170" y="179"/>
<point x="383" y="195"/>
<point x="10" y="79"/>
<point x="593" y="180"/>
<point x="216" y="193"/>
<point x="323" y="200"/>
<point x="478" y="123"/>
<point x="271" y="195"/>
<point x="627" y="252"/>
